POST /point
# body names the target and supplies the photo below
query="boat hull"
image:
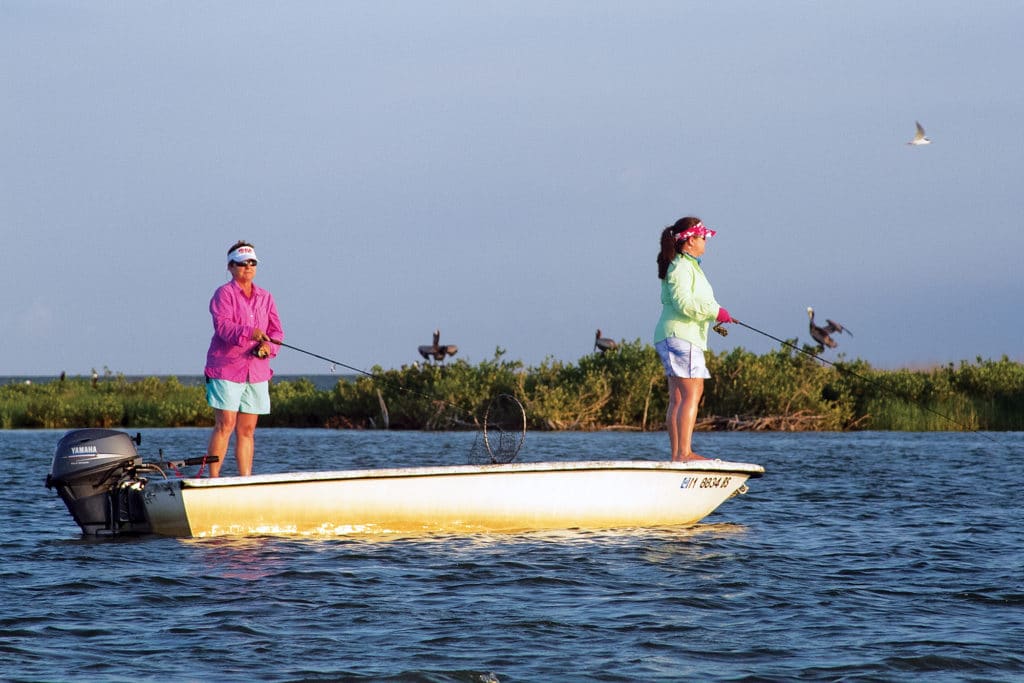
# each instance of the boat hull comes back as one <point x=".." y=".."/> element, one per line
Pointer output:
<point x="459" y="499"/>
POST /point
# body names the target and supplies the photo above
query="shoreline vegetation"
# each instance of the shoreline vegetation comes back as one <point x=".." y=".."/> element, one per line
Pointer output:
<point x="624" y="389"/>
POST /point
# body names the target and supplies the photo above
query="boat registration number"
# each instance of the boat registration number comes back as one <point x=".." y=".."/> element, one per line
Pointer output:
<point x="705" y="482"/>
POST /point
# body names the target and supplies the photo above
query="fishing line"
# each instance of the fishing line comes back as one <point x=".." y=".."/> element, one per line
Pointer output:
<point x="503" y="427"/>
<point x="864" y="379"/>
<point x="324" y="358"/>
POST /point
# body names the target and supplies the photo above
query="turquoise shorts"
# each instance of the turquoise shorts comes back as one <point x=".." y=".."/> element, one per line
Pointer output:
<point x="238" y="397"/>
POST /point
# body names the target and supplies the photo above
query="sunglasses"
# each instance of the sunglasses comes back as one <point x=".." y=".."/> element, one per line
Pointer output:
<point x="241" y="264"/>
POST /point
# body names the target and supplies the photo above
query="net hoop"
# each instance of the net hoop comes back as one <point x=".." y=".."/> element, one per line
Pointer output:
<point x="504" y="428"/>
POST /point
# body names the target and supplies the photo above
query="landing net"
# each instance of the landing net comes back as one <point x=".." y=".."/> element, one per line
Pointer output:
<point x="502" y="434"/>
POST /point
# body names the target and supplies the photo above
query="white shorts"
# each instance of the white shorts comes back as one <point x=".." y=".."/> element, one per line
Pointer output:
<point x="682" y="359"/>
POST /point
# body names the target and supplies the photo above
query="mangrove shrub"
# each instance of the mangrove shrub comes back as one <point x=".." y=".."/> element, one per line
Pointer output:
<point x="624" y="388"/>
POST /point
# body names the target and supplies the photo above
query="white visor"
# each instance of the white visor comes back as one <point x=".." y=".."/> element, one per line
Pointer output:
<point x="243" y="254"/>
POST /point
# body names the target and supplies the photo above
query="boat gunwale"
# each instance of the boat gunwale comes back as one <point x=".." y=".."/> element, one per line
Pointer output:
<point x="750" y="470"/>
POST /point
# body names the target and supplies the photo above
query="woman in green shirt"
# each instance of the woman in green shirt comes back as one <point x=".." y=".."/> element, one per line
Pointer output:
<point x="681" y="336"/>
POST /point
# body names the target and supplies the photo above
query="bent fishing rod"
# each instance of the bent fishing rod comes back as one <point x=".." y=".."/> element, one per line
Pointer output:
<point x="859" y="376"/>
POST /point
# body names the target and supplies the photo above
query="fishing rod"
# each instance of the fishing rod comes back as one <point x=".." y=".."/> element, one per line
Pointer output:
<point x="861" y="377"/>
<point x="368" y="374"/>
<point x="323" y="358"/>
<point x="501" y="444"/>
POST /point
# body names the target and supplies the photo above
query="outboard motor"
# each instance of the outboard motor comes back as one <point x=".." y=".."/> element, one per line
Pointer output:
<point x="95" y="471"/>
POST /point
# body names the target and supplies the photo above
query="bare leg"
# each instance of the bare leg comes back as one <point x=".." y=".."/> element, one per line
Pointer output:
<point x="245" y="442"/>
<point x="672" y="418"/>
<point x="218" y="446"/>
<point x="692" y="389"/>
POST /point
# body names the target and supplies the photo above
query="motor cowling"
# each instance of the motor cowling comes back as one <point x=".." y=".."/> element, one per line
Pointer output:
<point x="89" y="469"/>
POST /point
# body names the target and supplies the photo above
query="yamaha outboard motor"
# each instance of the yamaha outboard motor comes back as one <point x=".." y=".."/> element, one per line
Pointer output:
<point x="95" y="473"/>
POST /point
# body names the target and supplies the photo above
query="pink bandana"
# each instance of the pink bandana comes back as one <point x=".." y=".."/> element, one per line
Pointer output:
<point x="698" y="230"/>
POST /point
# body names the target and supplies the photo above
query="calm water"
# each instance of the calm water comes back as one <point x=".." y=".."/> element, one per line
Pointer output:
<point x="870" y="556"/>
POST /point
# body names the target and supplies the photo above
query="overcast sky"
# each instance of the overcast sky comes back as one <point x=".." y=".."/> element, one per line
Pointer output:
<point x="502" y="171"/>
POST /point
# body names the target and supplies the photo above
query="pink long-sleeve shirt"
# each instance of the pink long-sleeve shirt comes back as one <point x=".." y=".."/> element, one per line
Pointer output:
<point x="235" y="316"/>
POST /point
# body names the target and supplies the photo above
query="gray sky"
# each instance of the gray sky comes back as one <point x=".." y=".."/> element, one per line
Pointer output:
<point x="502" y="171"/>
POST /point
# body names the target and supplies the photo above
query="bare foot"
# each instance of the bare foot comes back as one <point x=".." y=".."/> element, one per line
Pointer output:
<point x="691" y="456"/>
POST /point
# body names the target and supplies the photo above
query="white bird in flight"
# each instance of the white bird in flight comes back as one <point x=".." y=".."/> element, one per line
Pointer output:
<point x="919" y="138"/>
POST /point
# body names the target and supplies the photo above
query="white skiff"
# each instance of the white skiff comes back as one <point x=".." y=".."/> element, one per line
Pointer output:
<point x="467" y="498"/>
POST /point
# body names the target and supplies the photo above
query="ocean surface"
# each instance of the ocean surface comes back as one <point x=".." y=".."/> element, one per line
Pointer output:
<point x="861" y="556"/>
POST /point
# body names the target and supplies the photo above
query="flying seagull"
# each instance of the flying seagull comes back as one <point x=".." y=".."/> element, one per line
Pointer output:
<point x="919" y="138"/>
<point x="603" y="344"/>
<point x="822" y="335"/>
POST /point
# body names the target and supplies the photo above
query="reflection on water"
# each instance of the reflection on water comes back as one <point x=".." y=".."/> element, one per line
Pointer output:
<point x="245" y="558"/>
<point x="562" y="537"/>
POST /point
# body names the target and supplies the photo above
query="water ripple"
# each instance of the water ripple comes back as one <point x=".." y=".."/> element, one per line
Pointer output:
<point x="858" y="557"/>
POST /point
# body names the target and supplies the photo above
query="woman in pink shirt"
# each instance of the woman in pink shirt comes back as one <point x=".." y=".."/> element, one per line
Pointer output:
<point x="238" y="362"/>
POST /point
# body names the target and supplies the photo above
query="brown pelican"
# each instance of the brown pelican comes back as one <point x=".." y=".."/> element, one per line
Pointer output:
<point x="822" y="335"/>
<point x="436" y="351"/>
<point x="603" y="344"/>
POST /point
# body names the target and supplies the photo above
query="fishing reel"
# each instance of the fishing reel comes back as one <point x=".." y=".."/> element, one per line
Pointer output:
<point x="260" y="352"/>
<point x="720" y="329"/>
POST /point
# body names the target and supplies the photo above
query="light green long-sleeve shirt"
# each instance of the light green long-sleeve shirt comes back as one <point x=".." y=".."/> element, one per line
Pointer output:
<point x="688" y="305"/>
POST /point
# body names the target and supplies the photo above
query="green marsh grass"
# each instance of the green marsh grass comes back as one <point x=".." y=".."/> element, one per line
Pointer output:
<point x="622" y="389"/>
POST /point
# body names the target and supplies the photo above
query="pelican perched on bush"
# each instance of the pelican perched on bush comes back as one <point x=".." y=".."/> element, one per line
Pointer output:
<point x="823" y="335"/>
<point x="603" y="344"/>
<point x="436" y="351"/>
